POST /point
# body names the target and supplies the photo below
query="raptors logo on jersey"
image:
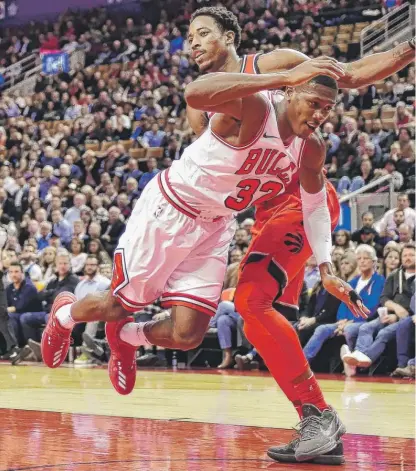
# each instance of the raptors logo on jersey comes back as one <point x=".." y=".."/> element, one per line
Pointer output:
<point x="216" y="178"/>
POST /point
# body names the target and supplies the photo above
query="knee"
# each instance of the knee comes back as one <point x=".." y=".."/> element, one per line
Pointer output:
<point x="223" y="321"/>
<point x="187" y="340"/>
<point x="24" y="318"/>
<point x="252" y="298"/>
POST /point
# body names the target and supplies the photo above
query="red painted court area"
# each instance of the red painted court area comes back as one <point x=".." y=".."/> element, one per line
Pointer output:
<point x="33" y="440"/>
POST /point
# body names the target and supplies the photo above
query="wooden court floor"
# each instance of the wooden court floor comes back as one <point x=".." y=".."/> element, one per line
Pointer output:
<point x="70" y="419"/>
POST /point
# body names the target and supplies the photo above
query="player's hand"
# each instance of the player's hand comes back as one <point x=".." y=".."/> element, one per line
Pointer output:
<point x="313" y="67"/>
<point x="343" y="291"/>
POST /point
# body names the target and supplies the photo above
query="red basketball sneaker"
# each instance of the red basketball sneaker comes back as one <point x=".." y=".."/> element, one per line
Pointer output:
<point x="122" y="364"/>
<point x="55" y="338"/>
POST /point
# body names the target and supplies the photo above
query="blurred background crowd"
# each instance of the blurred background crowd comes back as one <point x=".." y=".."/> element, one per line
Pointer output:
<point x="76" y="154"/>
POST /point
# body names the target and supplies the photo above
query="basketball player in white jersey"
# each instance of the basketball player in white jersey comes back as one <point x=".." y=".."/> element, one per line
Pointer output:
<point x="176" y="243"/>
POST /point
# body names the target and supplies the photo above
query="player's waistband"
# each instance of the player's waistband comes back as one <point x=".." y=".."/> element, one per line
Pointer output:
<point x="177" y="202"/>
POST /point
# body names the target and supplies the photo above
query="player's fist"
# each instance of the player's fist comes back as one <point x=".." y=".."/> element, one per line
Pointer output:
<point x="313" y="67"/>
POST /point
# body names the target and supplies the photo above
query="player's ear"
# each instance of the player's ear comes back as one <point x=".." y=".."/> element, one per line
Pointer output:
<point x="289" y="93"/>
<point x="229" y="38"/>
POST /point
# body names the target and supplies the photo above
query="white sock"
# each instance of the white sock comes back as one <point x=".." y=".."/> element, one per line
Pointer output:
<point x="133" y="333"/>
<point x="64" y="317"/>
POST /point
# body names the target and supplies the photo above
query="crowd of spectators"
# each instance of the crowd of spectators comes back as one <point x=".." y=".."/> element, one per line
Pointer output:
<point x="76" y="154"/>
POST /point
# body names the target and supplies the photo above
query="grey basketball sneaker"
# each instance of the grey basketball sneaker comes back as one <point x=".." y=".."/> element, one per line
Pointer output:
<point x="319" y="432"/>
<point x="286" y="454"/>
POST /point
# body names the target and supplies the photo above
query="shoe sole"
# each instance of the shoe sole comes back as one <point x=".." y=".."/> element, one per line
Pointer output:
<point x="324" y="448"/>
<point x="334" y="460"/>
<point x="351" y="361"/>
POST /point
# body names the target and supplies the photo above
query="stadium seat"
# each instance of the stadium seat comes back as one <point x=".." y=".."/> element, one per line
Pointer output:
<point x="138" y="154"/>
<point x="128" y="144"/>
<point x="346" y="29"/>
<point x="105" y="145"/>
<point x="368" y="114"/>
<point x="156" y="152"/>
<point x="94" y="146"/>
<point x="327" y="40"/>
<point x="330" y="31"/>
<point x="389" y="123"/>
<point x="387" y="112"/>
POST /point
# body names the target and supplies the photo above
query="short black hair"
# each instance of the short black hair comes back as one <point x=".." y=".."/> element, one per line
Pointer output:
<point x="17" y="264"/>
<point x="225" y="19"/>
<point x="326" y="81"/>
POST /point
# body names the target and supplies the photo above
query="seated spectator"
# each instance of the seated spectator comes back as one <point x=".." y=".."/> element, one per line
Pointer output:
<point x="348" y="266"/>
<point x="387" y="223"/>
<point x="312" y="275"/>
<point x="231" y="274"/>
<point x="112" y="230"/>
<point x="402" y="117"/>
<point x="93" y="282"/>
<point x="226" y="321"/>
<point x="343" y="239"/>
<point x="95" y="247"/>
<point x="241" y="239"/>
<point x="47" y="264"/>
<point x="22" y="297"/>
<point x="28" y="260"/>
<point x="147" y="176"/>
<point x="367" y="221"/>
<point x="405" y="342"/>
<point x="322" y="309"/>
<point x="366" y="342"/>
<point x="60" y="227"/>
<point x="6" y="329"/>
<point x="369" y="284"/>
<point x="391" y="262"/>
<point x="78" y="256"/>
<point x="405" y="235"/>
<point x="44" y="235"/>
<point x="154" y="137"/>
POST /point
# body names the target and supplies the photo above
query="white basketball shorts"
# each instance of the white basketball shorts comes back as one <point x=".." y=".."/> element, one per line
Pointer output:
<point x="165" y="253"/>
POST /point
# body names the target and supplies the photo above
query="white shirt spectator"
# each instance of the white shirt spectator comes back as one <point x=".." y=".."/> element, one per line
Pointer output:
<point x="387" y="222"/>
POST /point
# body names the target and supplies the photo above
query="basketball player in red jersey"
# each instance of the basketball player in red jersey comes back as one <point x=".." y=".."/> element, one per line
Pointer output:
<point x="278" y="233"/>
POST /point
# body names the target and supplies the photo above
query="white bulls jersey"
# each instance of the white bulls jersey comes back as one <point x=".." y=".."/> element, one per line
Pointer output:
<point x="216" y="178"/>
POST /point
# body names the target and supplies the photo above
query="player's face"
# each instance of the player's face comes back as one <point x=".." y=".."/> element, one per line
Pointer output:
<point x="209" y="45"/>
<point x="309" y="107"/>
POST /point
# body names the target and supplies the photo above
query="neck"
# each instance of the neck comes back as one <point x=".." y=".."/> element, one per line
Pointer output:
<point x="366" y="275"/>
<point x="410" y="271"/>
<point x="283" y="123"/>
<point x="231" y="64"/>
<point x="17" y="284"/>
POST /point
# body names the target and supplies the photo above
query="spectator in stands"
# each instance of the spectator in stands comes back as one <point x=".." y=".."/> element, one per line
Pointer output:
<point x="387" y="224"/>
<point x="391" y="262"/>
<point x="321" y="309"/>
<point x="22" y="297"/>
<point x="343" y="239"/>
<point x="402" y="117"/>
<point x="226" y="320"/>
<point x="28" y="260"/>
<point x="95" y="247"/>
<point x="367" y="221"/>
<point x="6" y="329"/>
<point x="74" y="212"/>
<point x="152" y="172"/>
<point x="405" y="234"/>
<point x="405" y="335"/>
<point x="312" y="275"/>
<point x="369" y="284"/>
<point x="367" y="342"/>
<point x="60" y="227"/>
<point x="92" y="283"/>
<point x="154" y="137"/>
<point x="47" y="264"/>
<point x="231" y="274"/>
<point x="112" y="229"/>
<point x="78" y="256"/>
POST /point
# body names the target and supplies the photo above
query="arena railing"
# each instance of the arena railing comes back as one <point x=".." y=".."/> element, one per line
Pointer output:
<point x="360" y="201"/>
<point x="398" y="24"/>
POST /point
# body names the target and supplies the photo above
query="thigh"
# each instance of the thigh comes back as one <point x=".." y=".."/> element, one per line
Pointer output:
<point x="34" y="318"/>
<point x="352" y="329"/>
<point x="197" y="282"/>
<point x="156" y="241"/>
<point x="388" y="333"/>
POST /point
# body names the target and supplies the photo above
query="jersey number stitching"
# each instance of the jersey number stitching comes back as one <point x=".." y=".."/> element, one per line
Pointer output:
<point x="244" y="197"/>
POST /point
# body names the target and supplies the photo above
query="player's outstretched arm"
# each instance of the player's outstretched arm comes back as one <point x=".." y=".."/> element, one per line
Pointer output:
<point x="317" y="223"/>
<point x="212" y="91"/>
<point x="360" y="73"/>
<point x="378" y="66"/>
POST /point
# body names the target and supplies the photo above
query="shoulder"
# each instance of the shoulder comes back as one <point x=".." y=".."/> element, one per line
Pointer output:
<point x="280" y="59"/>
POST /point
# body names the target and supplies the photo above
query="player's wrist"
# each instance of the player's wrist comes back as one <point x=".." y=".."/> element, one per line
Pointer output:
<point x="326" y="269"/>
